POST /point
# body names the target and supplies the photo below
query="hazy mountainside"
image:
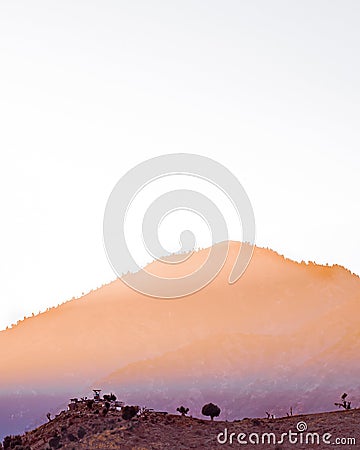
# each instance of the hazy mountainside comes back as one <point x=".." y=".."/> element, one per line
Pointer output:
<point x="282" y="321"/>
<point x="246" y="374"/>
<point x="113" y="326"/>
<point x="19" y="411"/>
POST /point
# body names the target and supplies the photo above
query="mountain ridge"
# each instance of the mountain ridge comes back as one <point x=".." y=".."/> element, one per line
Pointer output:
<point x="307" y="308"/>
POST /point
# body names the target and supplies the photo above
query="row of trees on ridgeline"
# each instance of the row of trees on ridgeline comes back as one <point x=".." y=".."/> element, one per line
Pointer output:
<point x="212" y="410"/>
<point x="209" y="410"/>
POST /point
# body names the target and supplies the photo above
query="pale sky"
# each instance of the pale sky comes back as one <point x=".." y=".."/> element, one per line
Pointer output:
<point x="88" y="89"/>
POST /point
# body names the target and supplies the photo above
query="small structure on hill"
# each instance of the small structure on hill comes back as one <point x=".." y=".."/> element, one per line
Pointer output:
<point x="108" y="402"/>
<point x="344" y="404"/>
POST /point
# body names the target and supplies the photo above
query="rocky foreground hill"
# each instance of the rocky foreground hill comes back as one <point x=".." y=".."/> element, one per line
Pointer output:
<point x="88" y="429"/>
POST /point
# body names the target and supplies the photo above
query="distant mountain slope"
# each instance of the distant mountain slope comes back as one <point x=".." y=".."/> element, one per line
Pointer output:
<point x="113" y="326"/>
<point x="248" y="374"/>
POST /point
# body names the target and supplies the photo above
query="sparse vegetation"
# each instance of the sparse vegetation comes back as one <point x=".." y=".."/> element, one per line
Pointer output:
<point x="128" y="412"/>
<point x="210" y="410"/>
<point x="81" y="432"/>
<point x="71" y="437"/>
<point x="182" y="410"/>
<point x="79" y="428"/>
<point x="110" y="397"/>
<point x="11" y="442"/>
<point x="55" y="442"/>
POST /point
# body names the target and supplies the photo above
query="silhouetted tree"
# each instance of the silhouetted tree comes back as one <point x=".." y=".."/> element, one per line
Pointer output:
<point x="182" y="410"/>
<point x="211" y="410"/>
<point x="48" y="415"/>
<point x="7" y="442"/>
<point x="90" y="403"/>
<point x="110" y="397"/>
<point x="12" y="442"/>
<point x="128" y="412"/>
